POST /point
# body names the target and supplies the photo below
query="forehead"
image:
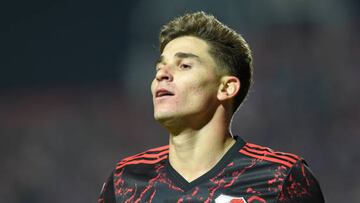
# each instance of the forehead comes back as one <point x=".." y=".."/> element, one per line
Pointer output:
<point x="188" y="44"/>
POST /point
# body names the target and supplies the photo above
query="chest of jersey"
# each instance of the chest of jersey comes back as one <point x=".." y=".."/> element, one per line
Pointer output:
<point x="241" y="180"/>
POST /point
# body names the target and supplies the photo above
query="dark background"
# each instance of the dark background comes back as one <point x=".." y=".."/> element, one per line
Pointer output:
<point x="75" y="96"/>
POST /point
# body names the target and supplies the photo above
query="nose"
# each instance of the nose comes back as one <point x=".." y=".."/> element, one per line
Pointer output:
<point x="164" y="74"/>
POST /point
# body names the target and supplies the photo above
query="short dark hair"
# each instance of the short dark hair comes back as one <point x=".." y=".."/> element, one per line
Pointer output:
<point x="228" y="48"/>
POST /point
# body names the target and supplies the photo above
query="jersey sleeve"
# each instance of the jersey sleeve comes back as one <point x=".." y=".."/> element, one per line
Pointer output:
<point x="107" y="194"/>
<point x="300" y="185"/>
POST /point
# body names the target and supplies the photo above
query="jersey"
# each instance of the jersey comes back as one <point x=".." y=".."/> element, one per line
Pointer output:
<point x="247" y="173"/>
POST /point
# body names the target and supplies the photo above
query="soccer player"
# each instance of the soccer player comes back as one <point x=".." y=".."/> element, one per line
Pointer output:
<point x="202" y="76"/>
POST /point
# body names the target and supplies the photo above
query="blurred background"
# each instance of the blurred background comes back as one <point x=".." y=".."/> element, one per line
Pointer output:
<point x="75" y="96"/>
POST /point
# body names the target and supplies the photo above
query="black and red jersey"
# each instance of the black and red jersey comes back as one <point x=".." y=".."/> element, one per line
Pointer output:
<point x="247" y="173"/>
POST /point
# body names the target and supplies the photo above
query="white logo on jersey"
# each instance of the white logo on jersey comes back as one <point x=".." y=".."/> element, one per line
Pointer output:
<point x="229" y="199"/>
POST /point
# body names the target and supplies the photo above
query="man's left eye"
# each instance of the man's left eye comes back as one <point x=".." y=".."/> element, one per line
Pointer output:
<point x="184" y="66"/>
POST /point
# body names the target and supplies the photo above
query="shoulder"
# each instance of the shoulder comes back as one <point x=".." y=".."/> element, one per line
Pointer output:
<point x="136" y="166"/>
<point x="300" y="185"/>
<point x="269" y="155"/>
<point x="296" y="181"/>
<point x="148" y="157"/>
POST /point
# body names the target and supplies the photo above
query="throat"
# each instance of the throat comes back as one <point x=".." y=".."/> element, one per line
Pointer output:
<point x="192" y="162"/>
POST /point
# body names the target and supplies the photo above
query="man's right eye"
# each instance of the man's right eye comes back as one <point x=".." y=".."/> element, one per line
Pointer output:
<point x="157" y="68"/>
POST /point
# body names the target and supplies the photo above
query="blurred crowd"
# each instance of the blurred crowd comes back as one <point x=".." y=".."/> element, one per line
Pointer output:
<point x="61" y="141"/>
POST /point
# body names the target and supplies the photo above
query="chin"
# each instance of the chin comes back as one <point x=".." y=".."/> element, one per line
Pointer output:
<point x="166" y="119"/>
<point x="163" y="116"/>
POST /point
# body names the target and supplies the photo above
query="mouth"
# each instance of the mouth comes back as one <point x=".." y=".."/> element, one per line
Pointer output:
<point x="163" y="93"/>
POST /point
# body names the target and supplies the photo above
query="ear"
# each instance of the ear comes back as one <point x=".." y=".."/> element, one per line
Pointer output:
<point x="229" y="87"/>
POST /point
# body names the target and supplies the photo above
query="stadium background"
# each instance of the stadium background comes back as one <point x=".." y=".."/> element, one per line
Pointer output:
<point x="74" y="89"/>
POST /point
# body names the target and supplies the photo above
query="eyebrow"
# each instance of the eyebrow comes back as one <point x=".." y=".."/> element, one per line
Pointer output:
<point x="181" y="55"/>
<point x="186" y="55"/>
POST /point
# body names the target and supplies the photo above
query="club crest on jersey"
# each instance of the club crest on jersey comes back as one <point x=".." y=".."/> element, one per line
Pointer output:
<point x="229" y="199"/>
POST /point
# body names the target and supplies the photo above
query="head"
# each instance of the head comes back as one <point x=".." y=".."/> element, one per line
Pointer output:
<point x="228" y="49"/>
<point x="203" y="64"/>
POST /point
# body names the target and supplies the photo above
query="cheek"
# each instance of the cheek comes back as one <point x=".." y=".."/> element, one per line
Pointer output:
<point x="203" y="90"/>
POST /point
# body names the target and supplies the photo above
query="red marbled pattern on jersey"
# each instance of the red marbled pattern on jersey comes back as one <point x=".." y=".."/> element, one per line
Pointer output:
<point x="219" y="181"/>
<point x="256" y="198"/>
<point x="299" y="185"/>
<point x="257" y="179"/>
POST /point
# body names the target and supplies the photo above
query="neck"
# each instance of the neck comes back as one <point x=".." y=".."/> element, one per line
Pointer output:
<point x="193" y="152"/>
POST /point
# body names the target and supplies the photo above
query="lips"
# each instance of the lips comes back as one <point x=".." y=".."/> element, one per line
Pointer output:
<point x="163" y="92"/>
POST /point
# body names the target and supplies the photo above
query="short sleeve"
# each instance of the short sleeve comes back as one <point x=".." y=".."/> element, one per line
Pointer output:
<point x="107" y="194"/>
<point x="300" y="185"/>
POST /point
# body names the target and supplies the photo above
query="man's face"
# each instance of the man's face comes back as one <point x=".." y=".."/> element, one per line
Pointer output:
<point x="186" y="82"/>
